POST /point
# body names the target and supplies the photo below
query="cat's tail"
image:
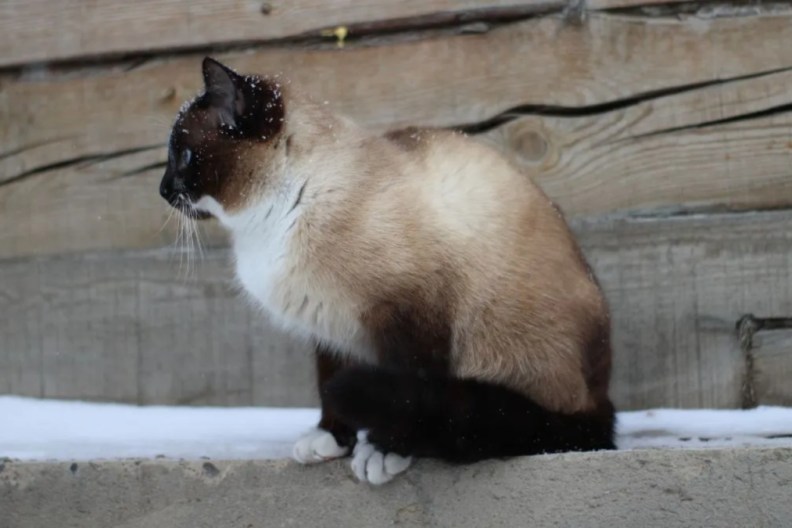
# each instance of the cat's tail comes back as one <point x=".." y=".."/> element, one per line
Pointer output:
<point x="459" y="420"/>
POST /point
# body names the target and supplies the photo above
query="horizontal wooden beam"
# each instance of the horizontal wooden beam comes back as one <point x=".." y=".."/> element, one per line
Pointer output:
<point x="724" y="146"/>
<point x="123" y="326"/>
<point x="133" y="327"/>
<point x="615" y="115"/>
<point x="677" y="288"/>
<point x="91" y="29"/>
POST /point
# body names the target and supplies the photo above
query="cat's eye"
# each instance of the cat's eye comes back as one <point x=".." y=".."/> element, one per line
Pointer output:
<point x="186" y="157"/>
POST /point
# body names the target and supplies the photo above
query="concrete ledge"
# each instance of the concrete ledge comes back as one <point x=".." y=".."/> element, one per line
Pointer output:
<point x="652" y="488"/>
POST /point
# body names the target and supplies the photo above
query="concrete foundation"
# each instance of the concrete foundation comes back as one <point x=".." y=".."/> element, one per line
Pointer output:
<point x="653" y="488"/>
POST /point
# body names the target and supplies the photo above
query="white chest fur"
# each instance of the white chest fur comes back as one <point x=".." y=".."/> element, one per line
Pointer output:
<point x="271" y="267"/>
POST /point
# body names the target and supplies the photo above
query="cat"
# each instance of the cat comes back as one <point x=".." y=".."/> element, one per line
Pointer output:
<point x="453" y="312"/>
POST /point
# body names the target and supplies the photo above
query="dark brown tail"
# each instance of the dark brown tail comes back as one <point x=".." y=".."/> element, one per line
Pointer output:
<point x="458" y="420"/>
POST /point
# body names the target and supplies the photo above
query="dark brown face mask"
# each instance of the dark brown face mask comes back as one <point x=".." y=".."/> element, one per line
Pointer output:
<point x="210" y="135"/>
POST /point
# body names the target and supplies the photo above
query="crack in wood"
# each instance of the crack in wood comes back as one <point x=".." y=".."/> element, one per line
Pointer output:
<point x="444" y="19"/>
<point x="766" y="112"/>
<point x="543" y="110"/>
<point x="771" y="323"/>
<point x="31" y="146"/>
<point x="144" y="168"/>
<point x="707" y="9"/>
<point x="747" y="327"/>
<point x="86" y="158"/>
<point x="458" y="22"/>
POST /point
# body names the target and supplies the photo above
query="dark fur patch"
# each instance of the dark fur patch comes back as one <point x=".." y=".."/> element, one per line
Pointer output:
<point x="457" y="420"/>
<point x="407" y="138"/>
<point x="597" y="358"/>
<point x="409" y="336"/>
<point x="328" y="364"/>
<point x="299" y="197"/>
<point x="220" y="128"/>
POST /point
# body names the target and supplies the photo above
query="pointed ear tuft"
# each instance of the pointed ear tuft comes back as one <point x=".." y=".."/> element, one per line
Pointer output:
<point x="222" y="88"/>
<point x="245" y="106"/>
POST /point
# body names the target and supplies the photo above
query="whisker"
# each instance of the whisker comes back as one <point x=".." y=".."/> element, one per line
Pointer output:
<point x="168" y="218"/>
<point x="180" y="246"/>
<point x="199" y="243"/>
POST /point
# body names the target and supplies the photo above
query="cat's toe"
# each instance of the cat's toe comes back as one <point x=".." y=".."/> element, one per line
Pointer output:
<point x="317" y="446"/>
<point x="372" y="466"/>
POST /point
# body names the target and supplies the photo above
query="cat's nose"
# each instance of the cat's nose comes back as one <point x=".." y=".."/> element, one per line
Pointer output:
<point x="169" y="189"/>
<point x="166" y="188"/>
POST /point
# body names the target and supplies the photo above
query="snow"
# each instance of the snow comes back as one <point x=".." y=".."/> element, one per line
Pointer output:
<point x="64" y="430"/>
<point x="35" y="429"/>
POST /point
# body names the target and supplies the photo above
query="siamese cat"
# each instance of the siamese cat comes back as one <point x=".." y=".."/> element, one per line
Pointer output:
<point x="453" y="313"/>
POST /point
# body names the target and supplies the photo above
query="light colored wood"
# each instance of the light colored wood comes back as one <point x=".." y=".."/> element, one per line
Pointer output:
<point x="677" y="288"/>
<point x="78" y="28"/>
<point x="772" y="357"/>
<point x="81" y="29"/>
<point x="125" y="327"/>
<point x="657" y="155"/>
<point x="446" y="81"/>
<point x="122" y="326"/>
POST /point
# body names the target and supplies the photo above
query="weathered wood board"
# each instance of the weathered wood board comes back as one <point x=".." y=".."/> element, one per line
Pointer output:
<point x="91" y="28"/>
<point x="76" y="164"/>
<point x="122" y="326"/>
<point x="677" y="289"/>
<point x="129" y="327"/>
<point x="95" y="28"/>
<point x="772" y="366"/>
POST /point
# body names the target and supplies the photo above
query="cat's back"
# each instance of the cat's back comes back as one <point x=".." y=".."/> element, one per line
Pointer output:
<point x="468" y="191"/>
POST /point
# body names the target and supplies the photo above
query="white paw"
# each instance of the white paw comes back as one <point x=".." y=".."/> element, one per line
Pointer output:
<point x="374" y="467"/>
<point x="317" y="446"/>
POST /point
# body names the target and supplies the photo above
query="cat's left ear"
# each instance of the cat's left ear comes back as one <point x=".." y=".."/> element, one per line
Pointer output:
<point x="224" y="89"/>
<point x="250" y="107"/>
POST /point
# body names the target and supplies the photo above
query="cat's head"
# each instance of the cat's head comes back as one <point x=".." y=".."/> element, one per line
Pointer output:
<point x="221" y="140"/>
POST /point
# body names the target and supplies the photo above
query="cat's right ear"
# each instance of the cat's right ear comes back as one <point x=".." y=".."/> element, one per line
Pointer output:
<point x="223" y="88"/>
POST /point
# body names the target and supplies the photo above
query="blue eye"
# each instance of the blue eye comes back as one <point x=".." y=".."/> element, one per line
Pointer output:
<point x="186" y="157"/>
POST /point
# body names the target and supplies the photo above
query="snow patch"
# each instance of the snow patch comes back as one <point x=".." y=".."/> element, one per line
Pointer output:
<point x="33" y="429"/>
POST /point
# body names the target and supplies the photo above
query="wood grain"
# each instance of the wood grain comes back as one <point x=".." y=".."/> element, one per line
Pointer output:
<point x="725" y="146"/>
<point x="87" y="28"/>
<point x="73" y="168"/>
<point x="123" y="327"/>
<point x="126" y="327"/>
<point x="772" y="364"/>
<point x="677" y="288"/>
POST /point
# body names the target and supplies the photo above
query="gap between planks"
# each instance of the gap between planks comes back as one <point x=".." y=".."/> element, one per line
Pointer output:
<point x="109" y="32"/>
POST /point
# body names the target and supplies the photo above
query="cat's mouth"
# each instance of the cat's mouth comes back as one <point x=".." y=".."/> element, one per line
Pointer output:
<point x="187" y="209"/>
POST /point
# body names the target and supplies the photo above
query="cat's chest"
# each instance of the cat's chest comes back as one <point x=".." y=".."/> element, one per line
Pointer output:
<point x="262" y="268"/>
<point x="273" y="274"/>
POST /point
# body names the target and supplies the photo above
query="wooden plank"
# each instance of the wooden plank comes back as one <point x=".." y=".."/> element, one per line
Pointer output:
<point x="103" y="122"/>
<point x="709" y="148"/>
<point x="124" y="327"/>
<point x="121" y="326"/>
<point x="91" y="27"/>
<point x="772" y="364"/>
<point x="677" y="287"/>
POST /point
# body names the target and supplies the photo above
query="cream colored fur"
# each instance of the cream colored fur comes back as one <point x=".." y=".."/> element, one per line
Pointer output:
<point x="378" y="215"/>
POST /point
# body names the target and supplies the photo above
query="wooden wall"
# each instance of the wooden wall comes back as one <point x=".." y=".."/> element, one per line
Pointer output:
<point x="663" y="129"/>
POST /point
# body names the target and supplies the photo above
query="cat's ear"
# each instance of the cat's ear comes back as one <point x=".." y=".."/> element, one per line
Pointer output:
<point x="224" y="90"/>
<point x="246" y="106"/>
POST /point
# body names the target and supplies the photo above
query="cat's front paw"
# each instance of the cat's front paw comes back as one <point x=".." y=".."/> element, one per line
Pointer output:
<point x="372" y="466"/>
<point x="317" y="446"/>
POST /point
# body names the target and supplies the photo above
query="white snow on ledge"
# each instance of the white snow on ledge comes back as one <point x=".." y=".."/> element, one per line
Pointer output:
<point x="32" y="429"/>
